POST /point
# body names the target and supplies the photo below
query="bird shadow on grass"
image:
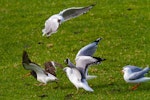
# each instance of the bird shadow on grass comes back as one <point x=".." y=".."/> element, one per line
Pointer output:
<point x="68" y="96"/>
<point x="76" y="93"/>
<point x="43" y="96"/>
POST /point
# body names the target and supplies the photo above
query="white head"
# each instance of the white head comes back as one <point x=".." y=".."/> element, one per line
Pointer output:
<point x="126" y="70"/>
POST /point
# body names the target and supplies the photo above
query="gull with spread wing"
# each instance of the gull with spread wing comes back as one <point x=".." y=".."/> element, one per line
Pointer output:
<point x="42" y="75"/>
<point x="52" y="24"/>
<point x="85" y="58"/>
<point x="78" y="74"/>
<point x="134" y="74"/>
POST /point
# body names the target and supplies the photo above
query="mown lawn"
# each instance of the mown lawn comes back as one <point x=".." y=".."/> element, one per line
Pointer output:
<point x="124" y="26"/>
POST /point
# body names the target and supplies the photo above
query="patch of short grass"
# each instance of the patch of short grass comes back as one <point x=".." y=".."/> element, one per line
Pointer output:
<point x="123" y="25"/>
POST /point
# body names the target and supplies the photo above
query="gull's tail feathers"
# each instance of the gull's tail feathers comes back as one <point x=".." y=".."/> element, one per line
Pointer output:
<point x="25" y="58"/>
<point x="87" y="87"/>
<point x="89" y="77"/>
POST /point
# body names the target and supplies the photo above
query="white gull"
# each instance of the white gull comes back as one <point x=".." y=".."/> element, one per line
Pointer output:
<point x="134" y="74"/>
<point x="52" y="24"/>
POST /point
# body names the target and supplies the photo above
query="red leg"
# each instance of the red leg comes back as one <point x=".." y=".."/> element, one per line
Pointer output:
<point x="135" y="86"/>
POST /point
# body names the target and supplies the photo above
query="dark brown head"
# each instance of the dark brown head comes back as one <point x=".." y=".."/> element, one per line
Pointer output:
<point x="50" y="68"/>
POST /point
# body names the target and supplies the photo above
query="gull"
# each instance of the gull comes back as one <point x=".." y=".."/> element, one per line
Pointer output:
<point x="42" y="75"/>
<point x="134" y="74"/>
<point x="77" y="79"/>
<point x="52" y="23"/>
<point x="78" y="74"/>
<point x="85" y="58"/>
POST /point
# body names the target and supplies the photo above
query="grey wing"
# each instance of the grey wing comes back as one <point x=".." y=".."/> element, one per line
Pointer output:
<point x="83" y="71"/>
<point x="28" y="65"/>
<point x="82" y="64"/>
<point x="89" y="49"/>
<point x="133" y="68"/>
<point x="140" y="74"/>
<point x="74" y="12"/>
<point x="34" y="67"/>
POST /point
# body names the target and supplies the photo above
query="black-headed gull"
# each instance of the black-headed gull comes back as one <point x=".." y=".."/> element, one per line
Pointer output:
<point x="52" y="23"/>
<point x="42" y="75"/>
<point x="134" y="74"/>
<point x="77" y="79"/>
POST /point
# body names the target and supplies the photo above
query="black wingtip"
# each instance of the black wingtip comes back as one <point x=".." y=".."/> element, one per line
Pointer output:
<point x="66" y="60"/>
<point x="91" y="6"/>
<point x="103" y="59"/>
<point x="97" y="40"/>
<point x="99" y="59"/>
<point x="25" y="58"/>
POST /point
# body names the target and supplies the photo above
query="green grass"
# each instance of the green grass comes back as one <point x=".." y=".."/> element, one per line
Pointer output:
<point x="123" y="25"/>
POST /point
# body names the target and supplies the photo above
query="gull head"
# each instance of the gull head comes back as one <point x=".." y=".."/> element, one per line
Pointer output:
<point x="126" y="70"/>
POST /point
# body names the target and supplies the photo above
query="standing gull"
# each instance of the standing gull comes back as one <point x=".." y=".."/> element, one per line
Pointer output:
<point x="78" y="74"/>
<point x="52" y="24"/>
<point x="42" y="75"/>
<point x="133" y="74"/>
<point x="77" y="79"/>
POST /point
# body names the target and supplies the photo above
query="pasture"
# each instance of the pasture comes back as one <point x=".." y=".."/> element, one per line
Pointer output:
<point x="124" y="26"/>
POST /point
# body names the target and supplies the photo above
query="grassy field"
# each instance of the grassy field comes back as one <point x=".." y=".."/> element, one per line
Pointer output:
<point x="124" y="26"/>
